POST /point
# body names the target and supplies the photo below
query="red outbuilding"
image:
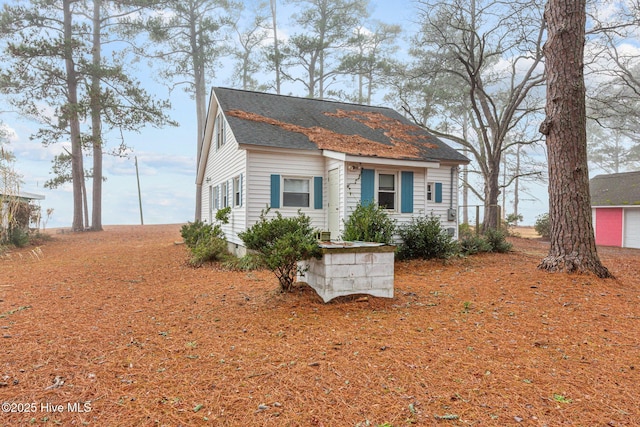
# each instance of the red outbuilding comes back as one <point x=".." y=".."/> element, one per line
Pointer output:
<point x="615" y="200"/>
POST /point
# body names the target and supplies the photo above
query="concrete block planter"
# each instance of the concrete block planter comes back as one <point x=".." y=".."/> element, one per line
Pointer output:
<point x="348" y="268"/>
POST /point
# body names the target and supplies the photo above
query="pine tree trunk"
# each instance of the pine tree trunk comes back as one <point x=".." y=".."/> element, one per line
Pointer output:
<point x="276" y="48"/>
<point x="77" y="169"/>
<point x="573" y="247"/>
<point x="201" y="114"/>
<point x="516" y="188"/>
<point x="96" y="122"/>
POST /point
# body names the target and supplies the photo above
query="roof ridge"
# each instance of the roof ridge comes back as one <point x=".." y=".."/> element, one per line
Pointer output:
<point x="303" y="98"/>
<point x="615" y="175"/>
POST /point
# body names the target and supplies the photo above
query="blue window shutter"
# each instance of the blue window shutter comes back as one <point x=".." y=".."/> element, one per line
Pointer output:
<point x="367" y="191"/>
<point x="275" y="191"/>
<point x="317" y="192"/>
<point x="406" y="203"/>
<point x="438" y="192"/>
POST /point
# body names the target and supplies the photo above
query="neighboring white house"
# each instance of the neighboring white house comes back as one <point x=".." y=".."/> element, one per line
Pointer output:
<point x="615" y="201"/>
<point x="321" y="157"/>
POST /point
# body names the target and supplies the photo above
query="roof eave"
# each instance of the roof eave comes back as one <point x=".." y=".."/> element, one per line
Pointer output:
<point x="416" y="163"/>
<point x="207" y="137"/>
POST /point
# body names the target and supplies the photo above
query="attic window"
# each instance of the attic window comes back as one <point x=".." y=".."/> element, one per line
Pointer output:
<point x="220" y="131"/>
<point x="296" y="193"/>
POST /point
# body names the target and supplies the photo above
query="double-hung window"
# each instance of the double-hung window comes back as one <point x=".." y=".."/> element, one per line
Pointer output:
<point x="430" y="190"/>
<point x="387" y="187"/>
<point x="216" y="197"/>
<point x="296" y="193"/>
<point x="224" y="195"/>
<point x="220" y="131"/>
<point x="237" y="194"/>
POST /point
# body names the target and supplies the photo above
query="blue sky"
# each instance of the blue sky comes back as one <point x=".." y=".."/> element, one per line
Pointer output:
<point x="166" y="157"/>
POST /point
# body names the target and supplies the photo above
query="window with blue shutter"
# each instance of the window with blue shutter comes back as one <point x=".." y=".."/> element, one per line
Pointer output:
<point x="438" y="192"/>
<point x="367" y="188"/>
<point x="406" y="182"/>
<point x="275" y="191"/>
<point x="317" y="192"/>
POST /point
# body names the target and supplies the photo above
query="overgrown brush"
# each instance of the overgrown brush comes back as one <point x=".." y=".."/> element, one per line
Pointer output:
<point x="472" y="243"/>
<point x="491" y="240"/>
<point x="249" y="262"/>
<point x="425" y="238"/>
<point x="206" y="241"/>
<point x="497" y="239"/>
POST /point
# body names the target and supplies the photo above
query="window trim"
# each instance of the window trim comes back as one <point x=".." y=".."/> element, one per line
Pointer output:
<point x="220" y="131"/>
<point x="430" y="191"/>
<point x="298" y="178"/>
<point x="224" y="195"/>
<point x="395" y="189"/>
<point x="216" y="197"/>
<point x="237" y="191"/>
<point x="211" y="203"/>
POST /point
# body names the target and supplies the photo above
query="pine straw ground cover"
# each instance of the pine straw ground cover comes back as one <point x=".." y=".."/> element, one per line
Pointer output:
<point x="117" y="320"/>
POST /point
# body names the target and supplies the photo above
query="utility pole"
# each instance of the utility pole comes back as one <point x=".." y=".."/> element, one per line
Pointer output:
<point x="139" y="193"/>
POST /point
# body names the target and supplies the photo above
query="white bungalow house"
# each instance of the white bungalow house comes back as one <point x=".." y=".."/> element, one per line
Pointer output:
<point x="321" y="157"/>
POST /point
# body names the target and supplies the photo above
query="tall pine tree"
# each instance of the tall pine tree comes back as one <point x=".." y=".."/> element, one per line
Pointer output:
<point x="573" y="246"/>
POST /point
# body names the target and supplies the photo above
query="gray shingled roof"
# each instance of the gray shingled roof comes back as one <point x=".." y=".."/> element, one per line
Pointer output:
<point x="617" y="189"/>
<point x="311" y="113"/>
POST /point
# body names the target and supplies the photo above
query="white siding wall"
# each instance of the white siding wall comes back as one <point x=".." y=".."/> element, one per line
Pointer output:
<point x="262" y="164"/>
<point x="420" y="204"/>
<point x="330" y="165"/>
<point x="443" y="175"/>
<point x="257" y="166"/>
<point x="223" y="165"/>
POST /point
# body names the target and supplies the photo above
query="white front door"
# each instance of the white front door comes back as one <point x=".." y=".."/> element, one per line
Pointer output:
<point x="334" y="204"/>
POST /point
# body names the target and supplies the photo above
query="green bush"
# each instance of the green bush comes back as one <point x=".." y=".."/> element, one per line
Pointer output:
<point x="464" y="228"/>
<point x="18" y="237"/>
<point x="472" y="243"/>
<point x="205" y="241"/>
<point x="282" y="242"/>
<point x="425" y="238"/>
<point x="369" y="223"/>
<point x="497" y="240"/>
<point x="491" y="241"/>
<point x="543" y="225"/>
